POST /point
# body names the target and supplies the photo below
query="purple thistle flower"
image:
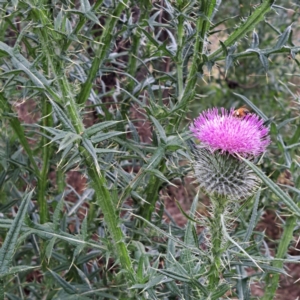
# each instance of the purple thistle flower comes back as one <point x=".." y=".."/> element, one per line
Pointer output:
<point x="244" y="136"/>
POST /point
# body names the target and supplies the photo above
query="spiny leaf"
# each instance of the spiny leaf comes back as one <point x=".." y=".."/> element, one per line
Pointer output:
<point x="253" y="218"/>
<point x="87" y="144"/>
<point x="248" y="25"/>
<point x="69" y="288"/>
<point x="9" y="246"/>
<point x="62" y="116"/>
<point x="283" y="38"/>
<point x="68" y="140"/>
<point x="102" y="136"/>
<point x="18" y="269"/>
<point x="275" y="188"/>
<point x="21" y="63"/>
<point x="255" y="40"/>
<point x="100" y="127"/>
<point x="264" y="61"/>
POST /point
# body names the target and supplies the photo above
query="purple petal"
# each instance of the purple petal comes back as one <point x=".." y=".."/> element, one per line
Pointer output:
<point x="223" y="131"/>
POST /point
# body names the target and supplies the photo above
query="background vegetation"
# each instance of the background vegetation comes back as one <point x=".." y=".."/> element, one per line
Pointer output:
<point x="96" y="100"/>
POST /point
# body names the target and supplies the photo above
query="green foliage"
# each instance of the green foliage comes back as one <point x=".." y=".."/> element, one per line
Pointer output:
<point x="144" y="69"/>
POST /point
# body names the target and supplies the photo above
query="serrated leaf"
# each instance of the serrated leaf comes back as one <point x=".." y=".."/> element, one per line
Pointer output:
<point x="286" y="122"/>
<point x="15" y="3"/>
<point x="232" y="49"/>
<point x="96" y="128"/>
<point x="186" y="215"/>
<point x="68" y="140"/>
<point x="291" y="188"/>
<point x="220" y="291"/>
<point x="227" y="236"/>
<point x="186" y="256"/>
<point x="263" y="266"/>
<point x="170" y="253"/>
<point x="134" y="132"/>
<point x="169" y="236"/>
<point x="140" y="269"/>
<point x="264" y="60"/>
<point x="4" y="208"/>
<point x="9" y="245"/>
<point x="87" y="144"/>
<point x="252" y="222"/>
<point x="224" y="48"/>
<point x="102" y="136"/>
<point x="57" y="212"/>
<point x="58" y="21"/>
<point x="101" y="150"/>
<point x="283" y="38"/>
<point x="274" y="187"/>
<point x="159" y="175"/>
<point x="85" y="6"/>
<point x="83" y="277"/>
<point x="65" y="296"/>
<point x="46" y="231"/>
<point x="64" y="119"/>
<point x="84" y="228"/>
<point x="150" y="37"/>
<point x="91" y="16"/>
<point x="175" y="275"/>
<point x="160" y="279"/>
<point x="49" y="247"/>
<point x="77" y="251"/>
<point x="248" y="25"/>
<point x="20" y="63"/>
<point x="18" y="269"/>
<point x="255" y="40"/>
<point x="19" y="131"/>
<point x="68" y="27"/>
<point x="228" y="62"/>
<point x="69" y="288"/>
<point x="155" y="159"/>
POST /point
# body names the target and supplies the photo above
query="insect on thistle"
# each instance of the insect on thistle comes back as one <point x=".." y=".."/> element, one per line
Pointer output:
<point x="241" y="112"/>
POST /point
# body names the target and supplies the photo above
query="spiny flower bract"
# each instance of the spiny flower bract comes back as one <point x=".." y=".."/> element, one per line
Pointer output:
<point x="224" y="175"/>
<point x="227" y="133"/>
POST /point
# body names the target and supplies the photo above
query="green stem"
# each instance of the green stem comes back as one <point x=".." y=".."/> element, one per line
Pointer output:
<point x="179" y="57"/>
<point x="46" y="154"/>
<point x="202" y="27"/>
<point x="104" y="199"/>
<point x="266" y="52"/>
<point x="110" y="216"/>
<point x="132" y="63"/>
<point x="287" y="237"/>
<point x="250" y="23"/>
<point x="218" y="208"/>
<point x="41" y="15"/>
<point x="208" y="9"/>
<point x="102" y="51"/>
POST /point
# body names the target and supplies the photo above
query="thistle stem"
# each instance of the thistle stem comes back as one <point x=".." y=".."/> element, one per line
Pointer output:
<point x="218" y="208"/>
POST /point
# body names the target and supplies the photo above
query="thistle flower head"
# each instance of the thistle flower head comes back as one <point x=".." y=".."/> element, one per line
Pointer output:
<point x="227" y="133"/>
<point x="224" y="175"/>
<point x="224" y="136"/>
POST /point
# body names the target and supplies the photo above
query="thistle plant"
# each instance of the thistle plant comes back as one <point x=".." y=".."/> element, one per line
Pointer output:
<point x="222" y="174"/>
<point x="108" y="87"/>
